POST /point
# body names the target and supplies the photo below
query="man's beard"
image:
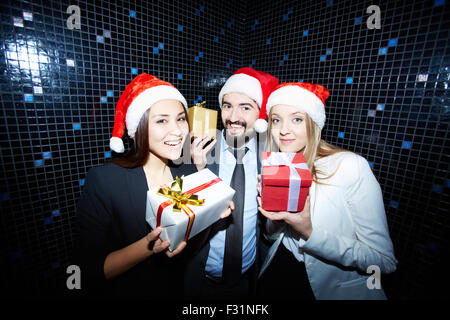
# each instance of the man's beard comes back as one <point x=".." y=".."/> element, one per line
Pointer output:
<point x="237" y="141"/>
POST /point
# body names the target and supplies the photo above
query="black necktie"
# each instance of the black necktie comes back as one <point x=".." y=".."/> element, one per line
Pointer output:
<point x="232" y="261"/>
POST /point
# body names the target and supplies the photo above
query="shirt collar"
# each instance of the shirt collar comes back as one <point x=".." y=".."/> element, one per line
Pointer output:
<point x="250" y="145"/>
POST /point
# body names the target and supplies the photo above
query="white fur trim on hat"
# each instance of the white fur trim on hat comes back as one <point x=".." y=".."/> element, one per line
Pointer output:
<point x="116" y="145"/>
<point x="260" y="125"/>
<point x="145" y="100"/>
<point x="301" y="98"/>
<point x="245" y="84"/>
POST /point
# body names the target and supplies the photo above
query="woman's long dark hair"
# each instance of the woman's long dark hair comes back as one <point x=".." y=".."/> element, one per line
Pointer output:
<point x="140" y="149"/>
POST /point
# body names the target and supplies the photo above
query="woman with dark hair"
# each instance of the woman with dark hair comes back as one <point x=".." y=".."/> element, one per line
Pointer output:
<point x="117" y="252"/>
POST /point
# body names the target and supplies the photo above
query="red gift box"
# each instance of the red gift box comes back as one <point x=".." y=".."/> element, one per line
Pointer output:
<point x="285" y="181"/>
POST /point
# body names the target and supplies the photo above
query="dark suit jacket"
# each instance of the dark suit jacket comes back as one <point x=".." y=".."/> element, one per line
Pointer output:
<point x="111" y="216"/>
<point x="195" y="278"/>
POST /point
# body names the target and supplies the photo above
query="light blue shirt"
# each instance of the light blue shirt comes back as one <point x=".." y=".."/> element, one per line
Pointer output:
<point x="227" y="163"/>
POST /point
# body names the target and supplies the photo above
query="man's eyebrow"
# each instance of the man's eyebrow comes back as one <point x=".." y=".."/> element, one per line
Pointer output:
<point x="240" y="104"/>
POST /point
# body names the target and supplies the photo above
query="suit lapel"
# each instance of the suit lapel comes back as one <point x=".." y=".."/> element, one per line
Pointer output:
<point x="137" y="186"/>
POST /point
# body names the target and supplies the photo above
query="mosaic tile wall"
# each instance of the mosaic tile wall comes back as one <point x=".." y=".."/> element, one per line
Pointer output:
<point x="59" y="86"/>
<point x="389" y="102"/>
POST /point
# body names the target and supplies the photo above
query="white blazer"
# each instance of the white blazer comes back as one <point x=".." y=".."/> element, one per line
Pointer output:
<point x="350" y="232"/>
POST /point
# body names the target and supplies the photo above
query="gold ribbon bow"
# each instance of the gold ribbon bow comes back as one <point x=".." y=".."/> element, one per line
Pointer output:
<point x="179" y="198"/>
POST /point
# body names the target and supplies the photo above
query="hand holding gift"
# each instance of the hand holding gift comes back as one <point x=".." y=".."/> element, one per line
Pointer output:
<point x="299" y="221"/>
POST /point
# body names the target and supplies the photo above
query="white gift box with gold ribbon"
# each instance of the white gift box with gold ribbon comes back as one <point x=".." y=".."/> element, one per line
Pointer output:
<point x="187" y="207"/>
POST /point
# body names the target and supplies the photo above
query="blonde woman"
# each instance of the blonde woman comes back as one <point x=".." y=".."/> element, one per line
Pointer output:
<point x="327" y="250"/>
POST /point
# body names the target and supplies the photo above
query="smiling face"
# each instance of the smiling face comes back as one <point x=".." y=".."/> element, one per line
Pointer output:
<point x="167" y="129"/>
<point x="239" y="114"/>
<point x="288" y="128"/>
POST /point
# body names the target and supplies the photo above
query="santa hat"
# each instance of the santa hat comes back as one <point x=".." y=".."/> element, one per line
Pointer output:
<point x="308" y="97"/>
<point x="256" y="85"/>
<point x="139" y="95"/>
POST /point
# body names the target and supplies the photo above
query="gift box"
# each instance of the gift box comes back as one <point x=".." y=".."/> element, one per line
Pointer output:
<point x="190" y="205"/>
<point x="202" y="120"/>
<point x="285" y="181"/>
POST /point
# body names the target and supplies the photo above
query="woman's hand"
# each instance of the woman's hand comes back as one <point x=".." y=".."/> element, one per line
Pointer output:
<point x="198" y="154"/>
<point x="299" y="221"/>
<point x="156" y="245"/>
<point x="227" y="212"/>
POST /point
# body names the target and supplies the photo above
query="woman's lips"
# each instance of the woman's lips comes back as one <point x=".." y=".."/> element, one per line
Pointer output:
<point x="286" y="141"/>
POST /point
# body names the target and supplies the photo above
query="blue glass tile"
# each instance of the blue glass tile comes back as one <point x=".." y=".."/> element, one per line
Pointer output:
<point x="437" y="188"/>
<point x="231" y="61"/>
<point x="103" y="100"/>
<point x="196" y="58"/>
<point x="406" y="145"/>
<point x="341" y="135"/>
<point x="323" y="58"/>
<point x="200" y="54"/>
<point x="214" y="80"/>
<point x="285" y="57"/>
<point x="82" y="182"/>
<point x="305" y="33"/>
<point x="371" y="164"/>
<point x="47" y="155"/>
<point x="438" y="3"/>
<point x="300" y="80"/>
<point x="250" y="66"/>
<point x="16" y="255"/>
<point x="200" y="98"/>
<point x="349" y="80"/>
<point x="48" y="220"/>
<point x="371" y="113"/>
<point x="253" y="61"/>
<point x="329" y="51"/>
<point x="268" y="41"/>
<point x="392" y="42"/>
<point x="28" y="97"/>
<point x="109" y="93"/>
<point x="4" y="196"/>
<point x="329" y="3"/>
<point x="228" y="65"/>
<point x="285" y="16"/>
<point x="156" y="50"/>
<point x="108" y="154"/>
<point x="55" y="213"/>
<point x="132" y="14"/>
<point x="180" y="76"/>
<point x="253" y="27"/>
<point x="100" y="39"/>
<point x="134" y="71"/>
<point x="180" y="27"/>
<point x="202" y="8"/>
<point x="161" y="45"/>
<point x="382" y="51"/>
<point x="358" y="20"/>
<point x="38" y="163"/>
<point x="229" y="24"/>
<point x="197" y="12"/>
<point x="222" y="31"/>
<point x="256" y="21"/>
<point x="290" y="10"/>
<point x="76" y="126"/>
<point x="448" y="184"/>
<point x="216" y="39"/>
<point x="380" y="107"/>
<point x="393" y="204"/>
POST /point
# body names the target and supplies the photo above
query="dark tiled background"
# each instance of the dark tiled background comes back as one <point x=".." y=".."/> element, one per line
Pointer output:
<point x="389" y="102"/>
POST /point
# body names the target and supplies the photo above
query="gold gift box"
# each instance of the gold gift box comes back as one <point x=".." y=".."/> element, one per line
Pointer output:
<point x="202" y="120"/>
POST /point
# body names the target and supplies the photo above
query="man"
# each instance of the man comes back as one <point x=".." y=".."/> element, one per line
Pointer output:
<point x="226" y="266"/>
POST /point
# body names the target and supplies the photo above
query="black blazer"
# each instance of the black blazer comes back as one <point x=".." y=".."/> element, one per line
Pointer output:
<point x="110" y="216"/>
<point x="195" y="278"/>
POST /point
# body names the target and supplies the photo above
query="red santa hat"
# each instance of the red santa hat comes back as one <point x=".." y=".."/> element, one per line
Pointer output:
<point x="257" y="85"/>
<point x="139" y="95"/>
<point x="308" y="97"/>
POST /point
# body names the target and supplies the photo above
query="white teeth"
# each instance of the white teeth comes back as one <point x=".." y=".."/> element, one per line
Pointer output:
<point x="172" y="144"/>
<point x="236" y="126"/>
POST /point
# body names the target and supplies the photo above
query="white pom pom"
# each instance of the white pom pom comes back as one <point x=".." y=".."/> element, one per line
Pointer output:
<point x="260" y="125"/>
<point x="116" y="144"/>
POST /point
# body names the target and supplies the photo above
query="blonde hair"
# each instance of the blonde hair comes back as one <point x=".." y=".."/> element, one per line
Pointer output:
<point x="315" y="148"/>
